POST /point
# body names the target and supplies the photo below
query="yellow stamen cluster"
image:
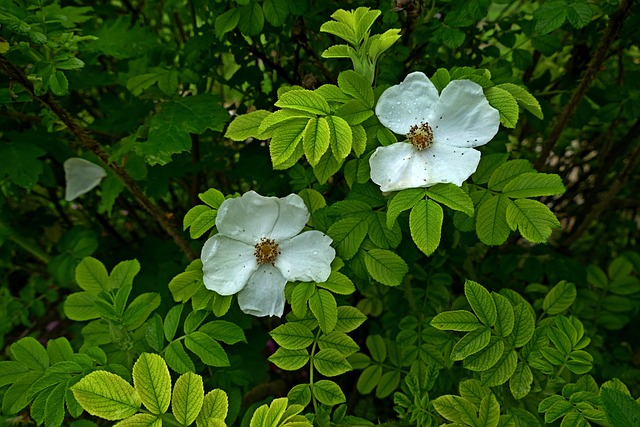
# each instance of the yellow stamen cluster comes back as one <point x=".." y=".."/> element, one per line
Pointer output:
<point x="420" y="136"/>
<point x="266" y="251"/>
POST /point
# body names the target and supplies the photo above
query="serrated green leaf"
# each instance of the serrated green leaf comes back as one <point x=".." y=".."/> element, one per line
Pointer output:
<point x="221" y="330"/>
<point x="316" y="140"/>
<point x="203" y="223"/>
<point x="621" y="409"/>
<point x="275" y="11"/>
<point x="356" y="86"/>
<point x="349" y="318"/>
<point x="341" y="138"/>
<point x="339" y="51"/>
<point x="185" y="285"/>
<point x="579" y="14"/>
<point x="187" y="398"/>
<point x="452" y="196"/>
<point x="177" y="358"/>
<point x="559" y="298"/>
<point x="30" y="353"/>
<point x="327" y="167"/>
<point x="348" y="235"/>
<point x="524" y="98"/>
<point x="485" y="358"/>
<point x="304" y="100"/>
<point x="328" y="393"/>
<point x="481" y="302"/>
<point x="246" y="125"/>
<point x="377" y="347"/>
<point x="354" y="112"/>
<point x="152" y="381"/>
<point x="550" y="16"/>
<point x="330" y="362"/>
<point x="226" y="22"/>
<point x="471" y="343"/>
<point x="385" y="266"/>
<point x="402" y="201"/>
<point x="455" y="320"/>
<point x="520" y="382"/>
<point x="80" y="306"/>
<point x="292" y="336"/>
<point x="107" y="396"/>
<point x="505" y="103"/>
<point x="339" y="341"/>
<point x="440" y="78"/>
<point x="505" y="320"/>
<point x="140" y="309"/>
<point x="425" y="223"/>
<point x="92" y="276"/>
<point x="388" y="383"/>
<point x="324" y="308"/>
<point x="369" y="379"/>
<point x="286" y="139"/>
<point x="532" y="184"/>
<point x="338" y="283"/>
<point x="382" y="236"/>
<point x="500" y="372"/>
<point x="141" y="420"/>
<point x="507" y="171"/>
<point x="523" y="326"/>
<point x="289" y="360"/>
<point x="533" y="219"/>
<point x="207" y="349"/>
<point x="20" y="162"/>
<point x="491" y="222"/>
<point x="489" y="411"/>
<point x="299" y="395"/>
<point x="251" y="20"/>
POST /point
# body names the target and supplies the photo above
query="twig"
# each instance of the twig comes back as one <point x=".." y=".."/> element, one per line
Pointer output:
<point x="83" y="136"/>
<point x="615" y="24"/>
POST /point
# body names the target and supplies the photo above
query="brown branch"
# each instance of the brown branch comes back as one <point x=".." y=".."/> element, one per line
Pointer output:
<point x="83" y="136"/>
<point x="594" y="68"/>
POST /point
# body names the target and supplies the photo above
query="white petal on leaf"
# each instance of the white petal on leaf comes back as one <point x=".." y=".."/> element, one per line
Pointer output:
<point x="292" y="217"/>
<point x="407" y="104"/>
<point x="248" y="218"/>
<point x="306" y="257"/>
<point x="462" y="117"/>
<point x="264" y="293"/>
<point x="398" y="166"/>
<point x="227" y="264"/>
<point x="81" y="177"/>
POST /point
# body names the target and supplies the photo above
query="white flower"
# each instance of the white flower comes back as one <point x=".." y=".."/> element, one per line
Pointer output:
<point x="81" y="176"/>
<point x="259" y="248"/>
<point x="441" y="132"/>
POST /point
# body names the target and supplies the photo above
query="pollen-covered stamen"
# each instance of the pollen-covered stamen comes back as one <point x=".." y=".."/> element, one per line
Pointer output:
<point x="266" y="251"/>
<point x="420" y="136"/>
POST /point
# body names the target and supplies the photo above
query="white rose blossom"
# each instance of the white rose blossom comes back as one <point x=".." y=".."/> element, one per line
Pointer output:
<point x="441" y="132"/>
<point x="259" y="247"/>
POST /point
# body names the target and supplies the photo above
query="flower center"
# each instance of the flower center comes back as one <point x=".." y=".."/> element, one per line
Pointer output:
<point x="266" y="251"/>
<point x="420" y="136"/>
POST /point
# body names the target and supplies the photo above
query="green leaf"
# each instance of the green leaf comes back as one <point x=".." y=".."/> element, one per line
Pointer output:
<point x="524" y="325"/>
<point x="500" y="372"/>
<point x="203" y="223"/>
<point x="207" y="349"/>
<point x="123" y="274"/>
<point x="524" y="98"/>
<point x="621" y="409"/>
<point x="341" y="138"/>
<point x="481" y="302"/>
<point x="107" y="396"/>
<point x="359" y="140"/>
<point x="58" y="83"/>
<point x="339" y="51"/>
<point x="30" y="353"/>
<point x="533" y="219"/>
<point x="328" y="393"/>
<point x="292" y="336"/>
<point x="246" y="125"/>
<point x="80" y="306"/>
<point x="59" y="350"/>
<point x="140" y="309"/>
<point x="214" y="405"/>
<point x="505" y="172"/>
<point x="338" y="283"/>
<point x="285" y="141"/>
<point x="382" y="236"/>
<point x="330" y="362"/>
<point x="369" y="379"/>
<point x="299" y="395"/>
<point x="388" y="383"/>
<point x="385" y="266"/>
<point x="185" y="285"/>
<point x="491" y="222"/>
<point x="177" y="358"/>
<point x="485" y="358"/>
<point x="324" y="308"/>
<point x="276" y="11"/>
<point x="349" y="318"/>
<point x="550" y="16"/>
<point x="171" y="321"/>
<point x="316" y="139"/>
<point x="471" y="343"/>
<point x="377" y="347"/>
<point x="347" y="235"/>
<point x="579" y="14"/>
<point x="489" y="412"/>
<point x="341" y="30"/>
<point x="152" y="381"/>
<point x="455" y="320"/>
<point x="425" y="222"/>
<point x="505" y="103"/>
<point x="304" y="100"/>
<point x="141" y="420"/>
<point x="520" y="382"/>
<point x="440" y="78"/>
<point x="326" y="168"/>
<point x="227" y="332"/>
<point x="289" y="360"/>
<point x="171" y="128"/>
<point x="532" y="184"/>
<point x="454" y="408"/>
<point x="559" y="298"/>
<point x="187" y="398"/>
<point x="92" y="276"/>
<point x="226" y="22"/>
<point x="20" y="162"/>
<point x="402" y="201"/>
<point x="339" y="341"/>
<point x="357" y="86"/>
<point x="251" y="19"/>
<point x="452" y="196"/>
<point x="505" y="320"/>
<point x="354" y="112"/>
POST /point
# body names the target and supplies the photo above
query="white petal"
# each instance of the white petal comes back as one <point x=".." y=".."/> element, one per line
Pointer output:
<point x="306" y="257"/>
<point x="227" y="264"/>
<point x="81" y="176"/>
<point x="407" y="104"/>
<point x="449" y="164"/>
<point x="398" y="166"/>
<point x="251" y="217"/>
<point x="264" y="293"/>
<point x="462" y="117"/>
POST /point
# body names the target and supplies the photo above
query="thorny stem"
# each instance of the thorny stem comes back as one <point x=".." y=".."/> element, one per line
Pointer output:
<point x="83" y="136"/>
<point x="594" y="68"/>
